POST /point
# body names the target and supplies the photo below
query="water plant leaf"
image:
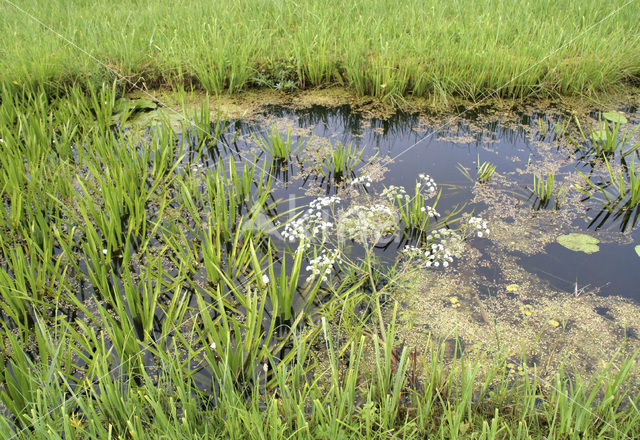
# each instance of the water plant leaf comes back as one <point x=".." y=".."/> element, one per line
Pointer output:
<point x="124" y="106"/>
<point x="599" y="135"/>
<point x="615" y="117"/>
<point x="579" y="243"/>
<point x="637" y="248"/>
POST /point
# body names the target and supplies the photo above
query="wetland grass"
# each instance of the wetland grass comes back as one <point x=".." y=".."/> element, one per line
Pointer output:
<point x="484" y="171"/>
<point x="609" y="137"/>
<point x="280" y="148"/>
<point x="338" y="161"/>
<point x="619" y="194"/>
<point x="141" y="298"/>
<point x="465" y="48"/>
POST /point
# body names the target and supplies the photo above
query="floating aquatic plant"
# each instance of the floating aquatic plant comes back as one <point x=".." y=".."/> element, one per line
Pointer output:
<point x="579" y="242"/>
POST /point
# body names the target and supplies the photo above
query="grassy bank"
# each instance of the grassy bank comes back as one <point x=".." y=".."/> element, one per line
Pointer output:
<point x="375" y="47"/>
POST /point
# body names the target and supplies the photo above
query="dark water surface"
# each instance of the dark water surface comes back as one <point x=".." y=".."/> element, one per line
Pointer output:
<point x="517" y="148"/>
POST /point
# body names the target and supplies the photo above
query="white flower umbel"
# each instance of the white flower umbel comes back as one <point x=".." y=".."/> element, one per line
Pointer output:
<point x="322" y="264"/>
<point x="395" y="193"/>
<point x="311" y="225"/>
<point x="431" y="212"/>
<point x="367" y="224"/>
<point x="443" y="246"/>
<point x="426" y="185"/>
<point x="411" y="251"/>
<point x="478" y="226"/>
<point x="362" y="180"/>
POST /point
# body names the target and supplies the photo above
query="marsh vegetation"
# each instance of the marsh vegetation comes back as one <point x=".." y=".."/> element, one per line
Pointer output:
<point x="464" y="48"/>
<point x="197" y="260"/>
<point x="238" y="278"/>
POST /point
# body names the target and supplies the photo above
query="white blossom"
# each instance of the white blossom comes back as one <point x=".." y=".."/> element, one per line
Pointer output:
<point x="364" y="180"/>
<point x="478" y="226"/>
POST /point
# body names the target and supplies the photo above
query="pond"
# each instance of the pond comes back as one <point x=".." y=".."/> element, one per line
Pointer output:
<point x="515" y="285"/>
<point x="187" y="233"/>
<point x="520" y="146"/>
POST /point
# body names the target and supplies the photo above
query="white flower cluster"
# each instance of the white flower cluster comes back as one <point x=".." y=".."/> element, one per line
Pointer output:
<point x="411" y="251"/>
<point x="322" y="202"/>
<point x="367" y="224"/>
<point x="393" y="193"/>
<point x="437" y="253"/>
<point x="363" y="180"/>
<point x="431" y="212"/>
<point x="445" y="245"/>
<point x="324" y="262"/>
<point x="311" y="223"/>
<point x="379" y="208"/>
<point x="479" y="226"/>
<point x="426" y="183"/>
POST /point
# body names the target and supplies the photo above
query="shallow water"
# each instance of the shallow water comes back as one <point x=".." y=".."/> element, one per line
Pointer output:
<point x="408" y="145"/>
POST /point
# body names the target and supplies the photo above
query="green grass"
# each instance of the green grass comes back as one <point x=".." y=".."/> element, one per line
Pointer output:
<point x="460" y="48"/>
<point x="484" y="171"/>
<point x="338" y="161"/>
<point x="141" y="298"/>
<point x="392" y="393"/>
<point x="619" y="193"/>
<point x="280" y="149"/>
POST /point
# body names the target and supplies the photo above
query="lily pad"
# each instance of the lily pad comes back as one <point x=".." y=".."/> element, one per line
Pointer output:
<point x="615" y="117"/>
<point x="579" y="243"/>
<point x="637" y="248"/>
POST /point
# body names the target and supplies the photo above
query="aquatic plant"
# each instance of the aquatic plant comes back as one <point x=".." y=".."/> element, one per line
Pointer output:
<point x="608" y="137"/>
<point x="556" y="128"/>
<point x="367" y="224"/>
<point x="339" y="160"/>
<point x="484" y="171"/>
<point x="544" y="190"/>
<point x="619" y="193"/>
<point x="279" y="148"/>
<point x="579" y="242"/>
<point x="414" y="211"/>
<point x="143" y="296"/>
<point x="363" y="180"/>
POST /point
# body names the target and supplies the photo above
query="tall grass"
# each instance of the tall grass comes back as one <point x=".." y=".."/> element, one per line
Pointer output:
<point x="399" y="394"/>
<point x="463" y="48"/>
